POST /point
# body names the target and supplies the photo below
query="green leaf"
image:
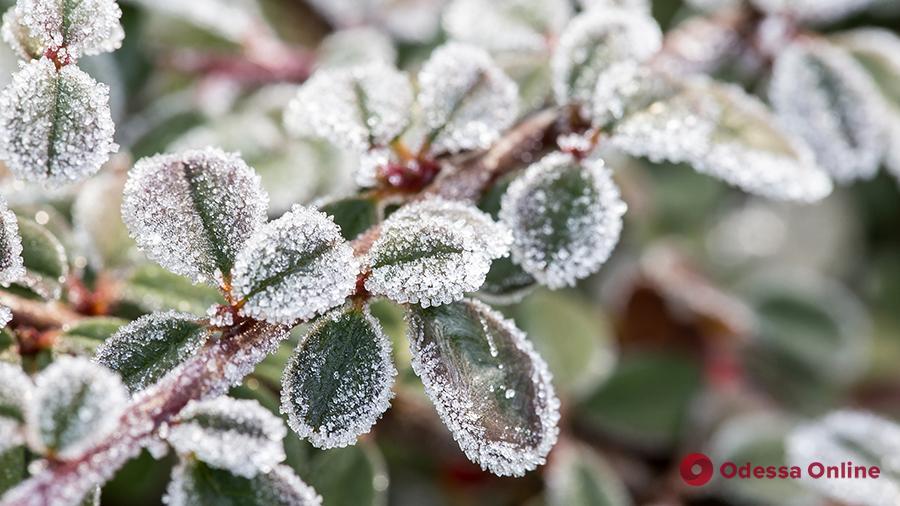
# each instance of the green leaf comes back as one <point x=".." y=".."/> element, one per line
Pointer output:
<point x="97" y="220"/>
<point x="353" y="214"/>
<point x="86" y="335"/>
<point x="15" y="387"/>
<point x="338" y="383"/>
<point x="645" y="401"/>
<point x="12" y="468"/>
<point x="153" y="288"/>
<point x="506" y="283"/>
<point x="351" y="476"/>
<point x="45" y="261"/>
<point x="489" y="386"/>
<point x="578" y="476"/>
<point x="146" y="349"/>
<point x="197" y="484"/>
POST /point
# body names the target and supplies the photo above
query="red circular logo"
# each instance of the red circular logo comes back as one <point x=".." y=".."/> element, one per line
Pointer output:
<point x="696" y="469"/>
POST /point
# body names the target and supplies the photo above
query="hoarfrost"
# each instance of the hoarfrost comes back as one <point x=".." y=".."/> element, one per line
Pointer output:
<point x="15" y="390"/>
<point x="85" y="27"/>
<point x="12" y="267"/>
<point x="506" y="25"/>
<point x="19" y="37"/>
<point x="279" y="487"/>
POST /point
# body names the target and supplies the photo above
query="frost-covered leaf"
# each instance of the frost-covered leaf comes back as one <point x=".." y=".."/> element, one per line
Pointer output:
<point x="432" y="252"/>
<point x="232" y="20"/>
<point x="5" y="317"/>
<point x="723" y="132"/>
<point x="506" y="25"/>
<point x="294" y="268"/>
<point x="11" y="265"/>
<point x="878" y="51"/>
<point x="19" y="37"/>
<point x="353" y="214"/>
<point x="356" y="107"/>
<point x="642" y="6"/>
<point x="84" y="336"/>
<point x="44" y="259"/>
<point x="55" y="125"/>
<point x="97" y="220"/>
<point x="239" y="436"/>
<point x="578" y="476"/>
<point x="82" y="27"/>
<point x="594" y="41"/>
<point x="192" y="212"/>
<point x="338" y="383"/>
<point x="506" y="282"/>
<point x="75" y="404"/>
<point x="565" y="216"/>
<point x="861" y="438"/>
<point x="15" y="389"/>
<point x="12" y="467"/>
<point x="409" y="20"/>
<point x="487" y="383"/>
<point x="196" y="484"/>
<point x="153" y="288"/>
<point x="823" y="95"/>
<point x="351" y="476"/>
<point x="466" y="100"/>
<point x="812" y="11"/>
<point x="146" y="349"/>
<point x="356" y="46"/>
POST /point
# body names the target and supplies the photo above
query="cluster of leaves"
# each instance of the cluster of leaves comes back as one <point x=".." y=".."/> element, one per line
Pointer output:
<point x="550" y="218"/>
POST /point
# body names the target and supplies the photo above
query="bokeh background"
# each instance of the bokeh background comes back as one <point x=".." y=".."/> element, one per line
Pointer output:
<point x="721" y="321"/>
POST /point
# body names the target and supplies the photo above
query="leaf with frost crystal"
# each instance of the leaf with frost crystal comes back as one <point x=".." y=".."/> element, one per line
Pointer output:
<point x="97" y="220"/>
<point x="592" y="42"/>
<point x="148" y="348"/>
<point x="11" y="265"/>
<point x="83" y="337"/>
<point x="55" y="126"/>
<point x="75" y="404"/>
<point x="415" y="21"/>
<point x="239" y="436"/>
<point x="820" y="93"/>
<point x="355" y="107"/>
<point x="506" y="25"/>
<point x="642" y="6"/>
<point x="294" y="268"/>
<point x="432" y="252"/>
<point x="354" y="215"/>
<point x="487" y="383"/>
<point x="355" y="46"/>
<point x="466" y="100"/>
<point x="152" y="288"/>
<point x="565" y="217"/>
<point x="19" y="37"/>
<point x="193" y="212"/>
<point x="861" y="438"/>
<point x="723" y="132"/>
<point x="812" y="11"/>
<point x="44" y="259"/>
<point x="196" y="484"/>
<point x="579" y="476"/>
<point x="5" y="317"/>
<point x="15" y="388"/>
<point x="338" y="382"/>
<point x="83" y="27"/>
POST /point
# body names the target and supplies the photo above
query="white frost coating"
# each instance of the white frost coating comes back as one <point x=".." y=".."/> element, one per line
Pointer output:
<point x="725" y="133"/>
<point x="530" y="208"/>
<point x="507" y="25"/>
<point x="161" y="207"/>
<point x="15" y="390"/>
<point x="642" y="6"/>
<point x="235" y="20"/>
<point x="411" y="20"/>
<point x="12" y="267"/>
<point x="85" y="27"/>
<point x="354" y="406"/>
<point x="356" y="107"/>
<point x="55" y="126"/>
<point x="355" y="46"/>
<point x="295" y="267"/>
<point x="432" y="252"/>
<point x="461" y="408"/>
<point x="18" y="37"/>
<point x="101" y="399"/>
<point x="813" y="11"/>
<point x="279" y="487"/>
<point x="5" y="316"/>
<point x="592" y="42"/>
<point x="629" y="86"/>
<point x="466" y="100"/>
<point x="821" y="94"/>
<point x="850" y="436"/>
<point x="239" y="436"/>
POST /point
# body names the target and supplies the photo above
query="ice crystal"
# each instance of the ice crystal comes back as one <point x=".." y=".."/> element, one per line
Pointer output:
<point x="595" y="40"/>
<point x="55" y="125"/>
<point x="432" y="252"/>
<point x="813" y="11"/>
<point x="629" y="87"/>
<point x="6" y="316"/>
<point x="84" y="27"/>
<point x="469" y="358"/>
<point x="195" y="484"/>
<point x="466" y="100"/>
<point x="726" y="133"/>
<point x="338" y="382"/>
<point x="356" y="46"/>
<point x="144" y="350"/>
<point x="294" y="268"/>
<point x="239" y="436"/>
<point x="565" y="216"/>
<point x="355" y="107"/>
<point x="192" y="212"/>
<point x="506" y="25"/>
<point x="824" y="96"/>
<point x="19" y="37"/>
<point x="75" y="404"/>
<point x="11" y="264"/>
<point x="642" y="6"/>
<point x="858" y="437"/>
<point x="15" y="389"/>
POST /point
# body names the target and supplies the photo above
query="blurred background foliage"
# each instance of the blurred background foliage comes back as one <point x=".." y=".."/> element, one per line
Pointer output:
<point x="721" y="321"/>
